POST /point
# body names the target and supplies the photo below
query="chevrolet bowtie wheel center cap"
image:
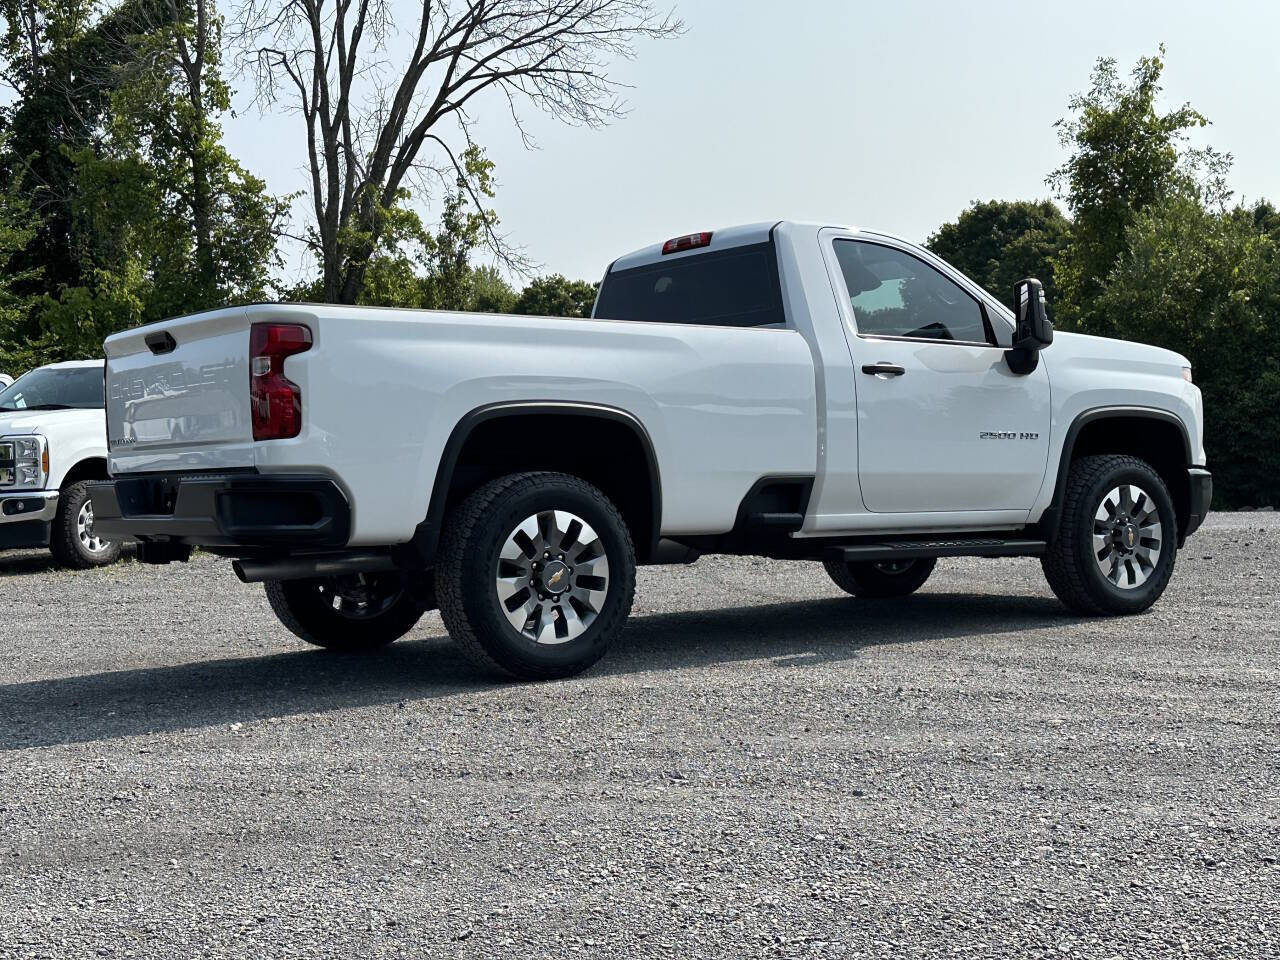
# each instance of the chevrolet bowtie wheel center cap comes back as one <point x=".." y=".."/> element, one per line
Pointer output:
<point x="555" y="577"/>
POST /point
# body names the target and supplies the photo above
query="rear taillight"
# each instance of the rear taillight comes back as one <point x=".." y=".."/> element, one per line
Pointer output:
<point x="275" y="400"/>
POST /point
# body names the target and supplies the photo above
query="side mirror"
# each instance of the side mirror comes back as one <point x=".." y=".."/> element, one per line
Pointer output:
<point x="1032" y="331"/>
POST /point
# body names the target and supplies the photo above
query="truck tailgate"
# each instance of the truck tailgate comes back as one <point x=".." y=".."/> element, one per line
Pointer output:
<point x="178" y="394"/>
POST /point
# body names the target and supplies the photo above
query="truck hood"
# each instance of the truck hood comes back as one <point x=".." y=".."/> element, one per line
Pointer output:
<point x="20" y="422"/>
<point x="1121" y="351"/>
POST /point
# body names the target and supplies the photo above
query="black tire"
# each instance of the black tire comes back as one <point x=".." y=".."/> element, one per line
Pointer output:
<point x="66" y="544"/>
<point x="872" y="580"/>
<point x="1071" y="565"/>
<point x="469" y="563"/>
<point x="349" y="614"/>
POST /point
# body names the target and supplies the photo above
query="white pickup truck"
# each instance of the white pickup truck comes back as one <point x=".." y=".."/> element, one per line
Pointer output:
<point x="786" y="390"/>
<point x="52" y="443"/>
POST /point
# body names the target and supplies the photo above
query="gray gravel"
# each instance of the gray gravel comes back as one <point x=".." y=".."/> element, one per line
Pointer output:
<point x="761" y="768"/>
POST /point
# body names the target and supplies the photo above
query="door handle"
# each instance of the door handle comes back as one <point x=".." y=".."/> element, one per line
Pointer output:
<point x="883" y="370"/>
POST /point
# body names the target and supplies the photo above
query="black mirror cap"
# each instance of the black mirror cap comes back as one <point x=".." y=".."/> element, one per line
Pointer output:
<point x="1033" y="331"/>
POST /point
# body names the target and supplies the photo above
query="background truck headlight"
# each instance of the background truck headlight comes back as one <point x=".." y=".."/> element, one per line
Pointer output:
<point x="24" y="462"/>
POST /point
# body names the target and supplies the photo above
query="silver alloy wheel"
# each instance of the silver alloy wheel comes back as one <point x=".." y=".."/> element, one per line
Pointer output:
<point x="84" y="530"/>
<point x="1127" y="536"/>
<point x="552" y="577"/>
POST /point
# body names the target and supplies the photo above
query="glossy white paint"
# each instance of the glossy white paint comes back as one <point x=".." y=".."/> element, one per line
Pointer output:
<point x="1088" y="373"/>
<point x="72" y="436"/>
<point x="383" y="389"/>
<point x="920" y="435"/>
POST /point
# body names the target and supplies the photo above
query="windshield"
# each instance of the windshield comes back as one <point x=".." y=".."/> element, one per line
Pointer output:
<point x="55" y="388"/>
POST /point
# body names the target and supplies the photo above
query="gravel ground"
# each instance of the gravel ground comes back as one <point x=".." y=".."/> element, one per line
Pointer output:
<point x="762" y="767"/>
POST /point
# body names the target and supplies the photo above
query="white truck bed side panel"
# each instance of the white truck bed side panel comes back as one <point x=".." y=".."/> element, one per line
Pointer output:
<point x="383" y="390"/>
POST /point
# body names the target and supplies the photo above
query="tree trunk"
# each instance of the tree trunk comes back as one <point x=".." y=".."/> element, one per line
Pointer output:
<point x="202" y="221"/>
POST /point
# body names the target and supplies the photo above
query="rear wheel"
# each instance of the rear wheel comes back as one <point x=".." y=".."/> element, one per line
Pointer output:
<point x="1115" y="549"/>
<point x="73" y="541"/>
<point x="536" y="575"/>
<point x="355" y="613"/>
<point x="880" y="578"/>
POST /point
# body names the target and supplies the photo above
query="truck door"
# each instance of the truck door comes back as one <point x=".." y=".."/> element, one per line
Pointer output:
<point x="943" y="424"/>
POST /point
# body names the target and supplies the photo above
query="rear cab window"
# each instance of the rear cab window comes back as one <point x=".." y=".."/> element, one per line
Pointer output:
<point x="735" y="287"/>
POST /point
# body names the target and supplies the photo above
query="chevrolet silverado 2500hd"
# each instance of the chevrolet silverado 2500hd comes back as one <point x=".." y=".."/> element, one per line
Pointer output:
<point x="783" y="389"/>
<point x="52" y="443"/>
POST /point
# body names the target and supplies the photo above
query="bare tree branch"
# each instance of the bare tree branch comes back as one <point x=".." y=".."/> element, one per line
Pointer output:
<point x="375" y="111"/>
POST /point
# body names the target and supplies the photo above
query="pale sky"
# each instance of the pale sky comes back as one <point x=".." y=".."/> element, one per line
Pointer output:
<point x="886" y="114"/>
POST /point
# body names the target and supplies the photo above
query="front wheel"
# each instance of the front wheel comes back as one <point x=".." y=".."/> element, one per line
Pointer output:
<point x="880" y="579"/>
<point x="536" y="575"/>
<point x="355" y="613"/>
<point x="73" y="541"/>
<point x="1115" y="548"/>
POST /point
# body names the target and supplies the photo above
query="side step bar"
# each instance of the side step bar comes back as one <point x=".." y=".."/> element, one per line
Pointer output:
<point x="914" y="549"/>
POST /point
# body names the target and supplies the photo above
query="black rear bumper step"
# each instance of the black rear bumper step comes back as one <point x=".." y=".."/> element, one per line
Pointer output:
<point x="962" y="547"/>
<point x="282" y="512"/>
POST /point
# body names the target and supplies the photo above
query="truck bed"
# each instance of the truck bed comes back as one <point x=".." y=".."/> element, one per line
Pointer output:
<point x="382" y="389"/>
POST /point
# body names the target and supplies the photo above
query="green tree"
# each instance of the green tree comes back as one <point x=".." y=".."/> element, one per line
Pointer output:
<point x="450" y="277"/>
<point x="555" y="296"/>
<point x="413" y="266"/>
<point x="17" y="229"/>
<point x="59" y="58"/>
<point x="490" y="292"/>
<point x="999" y="242"/>
<point x="1206" y="283"/>
<point x="1125" y="156"/>
<point x="163" y="220"/>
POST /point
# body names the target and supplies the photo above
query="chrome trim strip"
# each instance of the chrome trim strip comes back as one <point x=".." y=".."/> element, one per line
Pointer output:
<point x="950" y="343"/>
<point x="47" y="512"/>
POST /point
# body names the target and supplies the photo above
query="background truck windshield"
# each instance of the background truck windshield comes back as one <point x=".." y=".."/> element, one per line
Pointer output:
<point x="51" y="388"/>
<point x="737" y="287"/>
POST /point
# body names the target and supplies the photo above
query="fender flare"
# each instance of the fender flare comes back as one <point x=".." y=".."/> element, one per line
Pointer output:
<point x="421" y="550"/>
<point x="1049" y="520"/>
<point x="81" y="461"/>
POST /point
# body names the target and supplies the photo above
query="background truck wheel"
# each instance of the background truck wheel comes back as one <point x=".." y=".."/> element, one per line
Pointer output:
<point x="536" y="575"/>
<point x="879" y="579"/>
<point x="72" y="540"/>
<point x="356" y="613"/>
<point x="1115" y="549"/>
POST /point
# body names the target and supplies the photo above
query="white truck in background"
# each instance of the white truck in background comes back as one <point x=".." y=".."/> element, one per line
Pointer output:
<point x="784" y="389"/>
<point x="52" y="443"/>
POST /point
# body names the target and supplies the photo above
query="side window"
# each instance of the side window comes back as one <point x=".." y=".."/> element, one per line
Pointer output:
<point x="894" y="294"/>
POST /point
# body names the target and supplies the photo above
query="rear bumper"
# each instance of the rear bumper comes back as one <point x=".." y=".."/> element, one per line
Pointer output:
<point x="1200" y="486"/>
<point x="246" y="511"/>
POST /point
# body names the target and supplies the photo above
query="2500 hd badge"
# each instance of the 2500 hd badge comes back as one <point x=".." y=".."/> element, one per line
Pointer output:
<point x="1007" y="435"/>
